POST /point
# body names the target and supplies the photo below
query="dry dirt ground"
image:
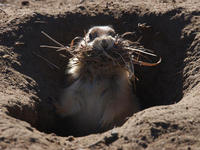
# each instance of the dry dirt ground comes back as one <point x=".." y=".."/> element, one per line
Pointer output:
<point x="169" y="93"/>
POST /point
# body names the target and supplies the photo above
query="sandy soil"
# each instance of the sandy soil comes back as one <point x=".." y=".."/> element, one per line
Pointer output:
<point x="169" y="93"/>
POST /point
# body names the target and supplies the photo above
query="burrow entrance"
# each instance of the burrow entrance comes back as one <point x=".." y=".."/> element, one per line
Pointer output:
<point x="158" y="85"/>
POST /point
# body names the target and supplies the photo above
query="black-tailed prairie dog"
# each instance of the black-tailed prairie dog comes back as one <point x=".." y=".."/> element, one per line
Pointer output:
<point x="99" y="96"/>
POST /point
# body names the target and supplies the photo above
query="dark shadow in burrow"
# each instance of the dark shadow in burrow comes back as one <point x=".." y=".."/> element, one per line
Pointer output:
<point x="158" y="85"/>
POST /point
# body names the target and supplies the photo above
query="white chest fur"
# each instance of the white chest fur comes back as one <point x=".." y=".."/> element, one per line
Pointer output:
<point x="98" y="99"/>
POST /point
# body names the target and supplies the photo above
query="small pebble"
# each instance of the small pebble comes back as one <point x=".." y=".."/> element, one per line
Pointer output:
<point x="25" y="3"/>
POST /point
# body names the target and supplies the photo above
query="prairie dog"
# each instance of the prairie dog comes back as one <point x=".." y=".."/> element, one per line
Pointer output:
<point x="99" y="97"/>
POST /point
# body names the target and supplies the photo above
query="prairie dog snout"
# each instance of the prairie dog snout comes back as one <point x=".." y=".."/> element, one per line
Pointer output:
<point x="99" y="97"/>
<point x="99" y="38"/>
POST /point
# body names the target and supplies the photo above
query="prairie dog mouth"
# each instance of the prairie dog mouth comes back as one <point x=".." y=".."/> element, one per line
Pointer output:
<point x="99" y="38"/>
<point x="102" y="43"/>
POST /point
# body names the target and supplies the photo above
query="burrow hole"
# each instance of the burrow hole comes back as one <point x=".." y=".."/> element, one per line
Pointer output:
<point x="160" y="85"/>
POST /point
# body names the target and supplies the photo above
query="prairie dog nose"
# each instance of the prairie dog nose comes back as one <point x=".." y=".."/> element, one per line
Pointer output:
<point x="104" y="44"/>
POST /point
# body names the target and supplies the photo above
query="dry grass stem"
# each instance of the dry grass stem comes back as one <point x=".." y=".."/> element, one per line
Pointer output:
<point x="139" y="50"/>
<point x="125" y="53"/>
<point x="48" y="46"/>
<point x="50" y="63"/>
<point x="45" y="34"/>
<point x="127" y="33"/>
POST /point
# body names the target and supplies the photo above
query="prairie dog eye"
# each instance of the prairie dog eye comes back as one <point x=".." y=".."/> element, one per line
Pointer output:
<point x="92" y="36"/>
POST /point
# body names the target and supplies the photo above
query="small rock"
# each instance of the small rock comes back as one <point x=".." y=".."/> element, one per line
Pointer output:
<point x="70" y="138"/>
<point x="33" y="140"/>
<point x="25" y="3"/>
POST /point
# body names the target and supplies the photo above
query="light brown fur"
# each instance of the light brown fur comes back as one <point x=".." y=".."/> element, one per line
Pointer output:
<point x="99" y="97"/>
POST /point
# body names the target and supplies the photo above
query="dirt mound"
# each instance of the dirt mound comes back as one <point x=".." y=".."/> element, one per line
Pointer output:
<point x="168" y="92"/>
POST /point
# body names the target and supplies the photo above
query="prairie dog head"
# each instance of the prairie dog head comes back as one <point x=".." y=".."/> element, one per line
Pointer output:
<point x="99" y="38"/>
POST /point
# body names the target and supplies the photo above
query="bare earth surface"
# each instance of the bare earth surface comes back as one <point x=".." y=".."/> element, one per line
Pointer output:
<point x="169" y="93"/>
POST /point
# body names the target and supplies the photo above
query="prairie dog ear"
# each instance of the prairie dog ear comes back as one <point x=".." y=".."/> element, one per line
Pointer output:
<point x="90" y="27"/>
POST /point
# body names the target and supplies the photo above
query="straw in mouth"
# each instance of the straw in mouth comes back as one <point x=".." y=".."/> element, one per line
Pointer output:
<point x="124" y="53"/>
